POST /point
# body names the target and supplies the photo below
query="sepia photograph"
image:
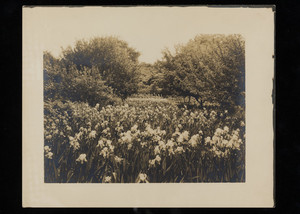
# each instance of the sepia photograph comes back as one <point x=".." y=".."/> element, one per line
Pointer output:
<point x="111" y="115"/>
<point x="146" y="95"/>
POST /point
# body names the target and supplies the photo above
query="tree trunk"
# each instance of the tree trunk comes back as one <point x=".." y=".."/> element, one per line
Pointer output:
<point x="199" y="101"/>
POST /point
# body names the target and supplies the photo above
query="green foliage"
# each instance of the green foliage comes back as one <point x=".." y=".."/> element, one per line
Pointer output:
<point x="209" y="68"/>
<point x="115" y="61"/>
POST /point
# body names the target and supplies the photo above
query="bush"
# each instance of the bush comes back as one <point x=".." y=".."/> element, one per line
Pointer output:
<point x="87" y="88"/>
<point x="85" y="85"/>
<point x="116" y="62"/>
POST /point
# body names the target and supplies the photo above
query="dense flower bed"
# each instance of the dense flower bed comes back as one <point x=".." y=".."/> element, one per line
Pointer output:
<point x="142" y="141"/>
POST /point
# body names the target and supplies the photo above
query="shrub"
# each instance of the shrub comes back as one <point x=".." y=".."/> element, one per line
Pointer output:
<point x="85" y="85"/>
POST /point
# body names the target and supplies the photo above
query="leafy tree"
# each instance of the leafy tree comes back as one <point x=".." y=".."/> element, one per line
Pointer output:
<point x="208" y="68"/>
<point x="150" y="78"/>
<point x="115" y="61"/>
<point x="85" y="85"/>
<point x="53" y="74"/>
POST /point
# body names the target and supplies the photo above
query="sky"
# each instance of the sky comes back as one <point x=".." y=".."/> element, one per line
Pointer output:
<point x="147" y="29"/>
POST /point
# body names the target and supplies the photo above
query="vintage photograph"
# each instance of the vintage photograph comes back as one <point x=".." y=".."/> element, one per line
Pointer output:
<point x="147" y="106"/>
<point x="118" y="110"/>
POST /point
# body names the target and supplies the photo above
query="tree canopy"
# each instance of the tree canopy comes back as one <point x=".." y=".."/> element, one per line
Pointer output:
<point x="114" y="60"/>
<point x="84" y="85"/>
<point x="150" y="79"/>
<point x="209" y="68"/>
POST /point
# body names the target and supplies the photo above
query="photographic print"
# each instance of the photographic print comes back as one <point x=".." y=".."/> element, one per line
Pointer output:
<point x="147" y="96"/>
<point x="111" y="115"/>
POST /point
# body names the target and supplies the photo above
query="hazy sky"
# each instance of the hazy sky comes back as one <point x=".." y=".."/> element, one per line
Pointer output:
<point x="148" y="30"/>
